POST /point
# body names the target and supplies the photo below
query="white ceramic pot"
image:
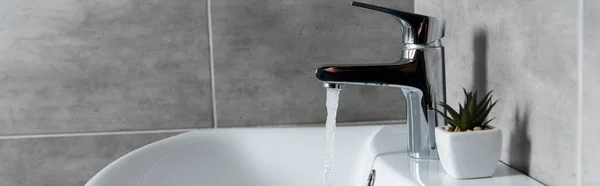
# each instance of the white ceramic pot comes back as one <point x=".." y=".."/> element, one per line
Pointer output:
<point x="466" y="155"/>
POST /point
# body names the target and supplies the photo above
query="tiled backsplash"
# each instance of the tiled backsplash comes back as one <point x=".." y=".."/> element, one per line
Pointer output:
<point x="591" y="94"/>
<point x="67" y="161"/>
<point x="266" y="53"/>
<point x="527" y="52"/>
<point x="70" y="67"/>
<point x="103" y="65"/>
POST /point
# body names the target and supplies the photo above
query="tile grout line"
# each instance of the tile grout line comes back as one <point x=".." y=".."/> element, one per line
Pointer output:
<point x="579" y="159"/>
<point x="346" y="123"/>
<point x="77" y="134"/>
<point x="108" y="133"/>
<point x="353" y="123"/>
<point x="212" y="65"/>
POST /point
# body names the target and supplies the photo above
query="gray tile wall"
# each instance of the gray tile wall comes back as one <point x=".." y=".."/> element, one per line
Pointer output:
<point x="526" y="51"/>
<point x="266" y="53"/>
<point x="63" y="161"/>
<point x="72" y="67"/>
<point x="79" y="66"/>
<point x="591" y="93"/>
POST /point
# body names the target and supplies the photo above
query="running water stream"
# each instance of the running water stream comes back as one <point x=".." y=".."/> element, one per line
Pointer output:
<point x="332" y="105"/>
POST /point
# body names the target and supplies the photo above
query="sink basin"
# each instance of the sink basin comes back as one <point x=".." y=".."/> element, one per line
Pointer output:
<point x="284" y="156"/>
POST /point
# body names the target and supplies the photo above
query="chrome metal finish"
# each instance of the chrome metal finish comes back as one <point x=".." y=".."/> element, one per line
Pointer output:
<point x="419" y="74"/>
<point x="426" y="172"/>
<point x="371" y="179"/>
<point x="416" y="29"/>
<point x="333" y="85"/>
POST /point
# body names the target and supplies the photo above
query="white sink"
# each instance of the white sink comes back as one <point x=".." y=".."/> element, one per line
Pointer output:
<point x="284" y="157"/>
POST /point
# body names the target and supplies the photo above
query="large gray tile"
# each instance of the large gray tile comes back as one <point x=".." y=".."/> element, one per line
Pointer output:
<point x="526" y="52"/>
<point x="64" y="161"/>
<point x="591" y="93"/>
<point x="70" y="65"/>
<point x="266" y="53"/>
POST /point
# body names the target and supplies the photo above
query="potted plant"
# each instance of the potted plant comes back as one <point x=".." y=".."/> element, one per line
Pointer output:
<point x="468" y="147"/>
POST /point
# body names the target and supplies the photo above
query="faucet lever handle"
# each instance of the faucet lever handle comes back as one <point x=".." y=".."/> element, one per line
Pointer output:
<point x="416" y="28"/>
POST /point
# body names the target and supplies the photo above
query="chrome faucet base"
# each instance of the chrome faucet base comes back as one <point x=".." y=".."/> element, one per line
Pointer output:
<point x="419" y="74"/>
<point x="333" y="85"/>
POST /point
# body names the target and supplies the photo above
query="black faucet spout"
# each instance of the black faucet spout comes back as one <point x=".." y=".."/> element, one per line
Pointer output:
<point x="409" y="74"/>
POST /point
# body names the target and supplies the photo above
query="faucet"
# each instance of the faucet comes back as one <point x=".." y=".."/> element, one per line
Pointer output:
<point x="419" y="73"/>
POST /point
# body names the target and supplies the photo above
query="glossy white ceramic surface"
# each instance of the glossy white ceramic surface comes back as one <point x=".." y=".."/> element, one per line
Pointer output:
<point x="466" y="155"/>
<point x="393" y="166"/>
<point x="284" y="156"/>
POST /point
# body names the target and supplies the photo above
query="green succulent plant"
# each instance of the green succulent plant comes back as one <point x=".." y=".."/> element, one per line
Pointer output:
<point x="472" y="113"/>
